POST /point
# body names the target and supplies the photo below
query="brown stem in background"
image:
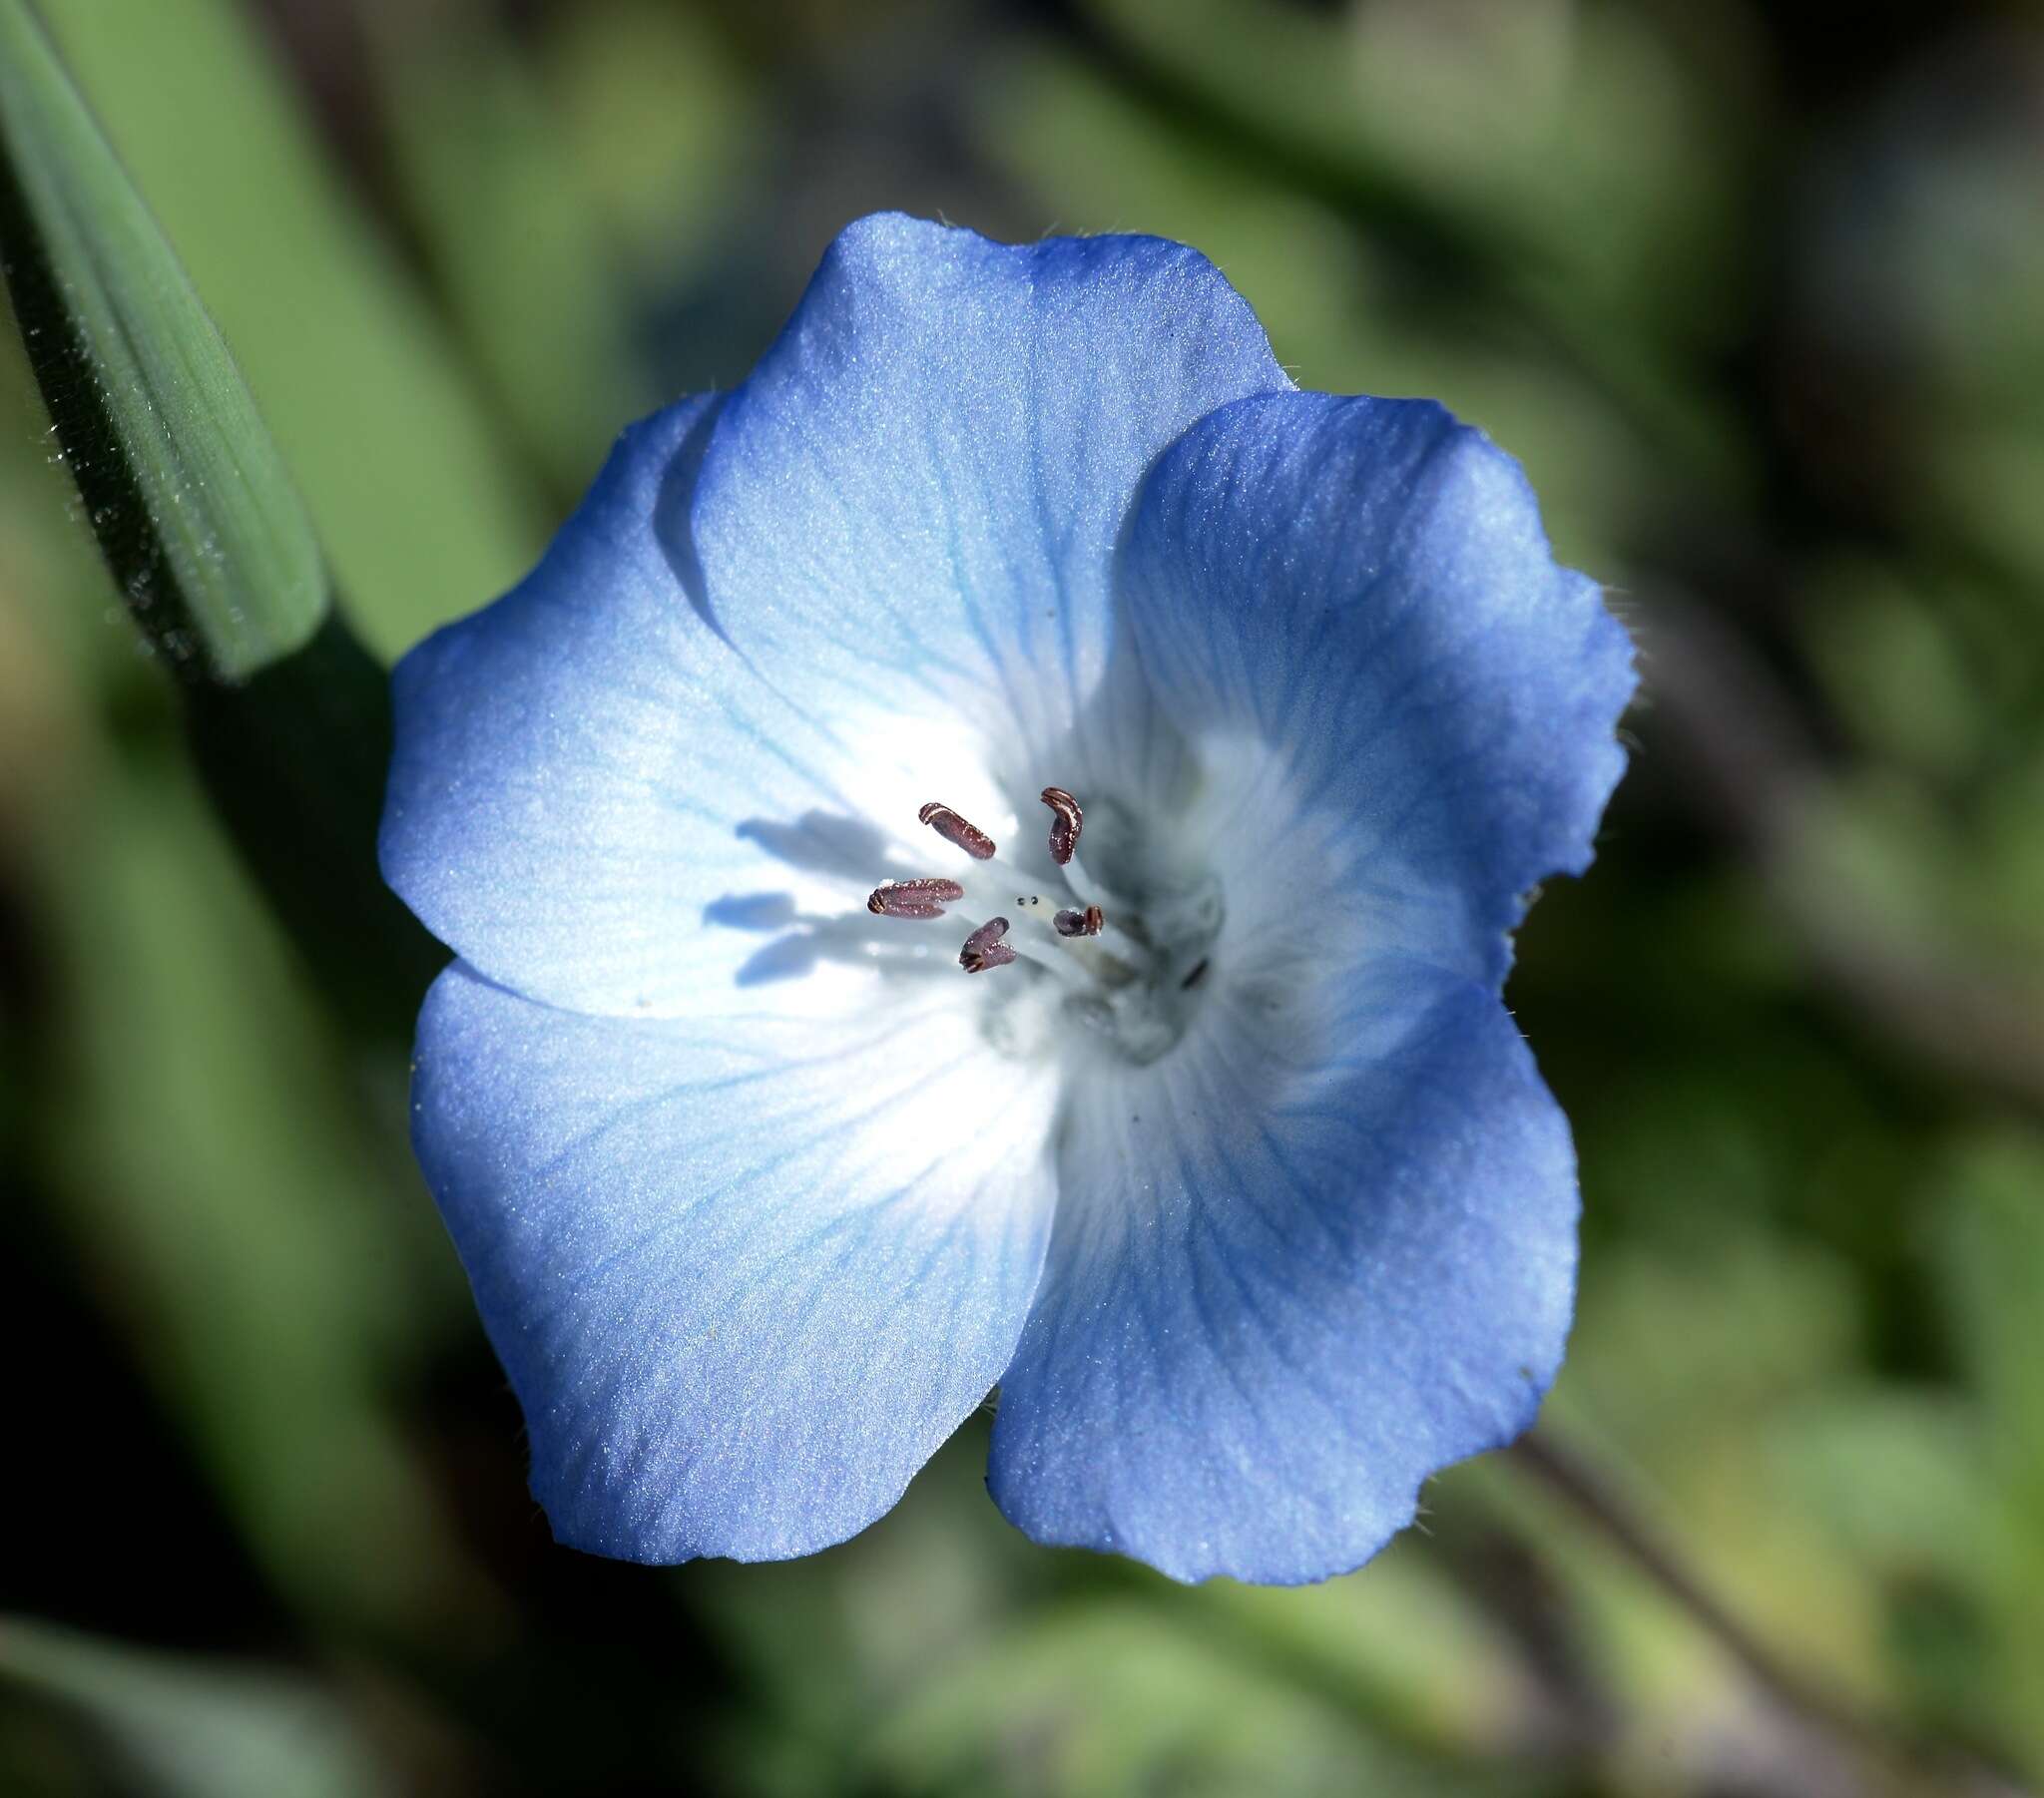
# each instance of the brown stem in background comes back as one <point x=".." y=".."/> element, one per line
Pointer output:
<point x="1856" y="1748"/>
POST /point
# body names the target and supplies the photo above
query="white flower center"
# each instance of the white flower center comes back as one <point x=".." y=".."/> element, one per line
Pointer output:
<point x="1112" y="943"/>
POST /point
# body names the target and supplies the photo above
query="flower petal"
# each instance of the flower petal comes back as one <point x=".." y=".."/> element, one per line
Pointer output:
<point x="745" y="1278"/>
<point x="1285" y="1286"/>
<point x="1364" y="586"/>
<point x="1326" y="1245"/>
<point x="917" y="493"/>
<point x="778" y="617"/>
<point x="571" y="766"/>
<point x="595" y="799"/>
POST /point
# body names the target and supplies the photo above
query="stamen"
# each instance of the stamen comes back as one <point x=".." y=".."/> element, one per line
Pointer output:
<point x="984" y="948"/>
<point x="1088" y="923"/>
<point x="1065" y="824"/>
<point x="954" y="829"/>
<point x="925" y="898"/>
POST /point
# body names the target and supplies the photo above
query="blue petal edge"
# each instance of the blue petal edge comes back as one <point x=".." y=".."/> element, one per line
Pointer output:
<point x="744" y="1280"/>
<point x="1364" y="587"/>
<point x="918" y="491"/>
<point x="1275" y="1305"/>
<point x="1326" y="1246"/>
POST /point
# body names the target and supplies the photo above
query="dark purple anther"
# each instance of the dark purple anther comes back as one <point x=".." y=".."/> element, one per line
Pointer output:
<point x="954" y="829"/>
<point x="1088" y="923"/>
<point x="913" y="898"/>
<point x="1064" y="823"/>
<point x="984" y="948"/>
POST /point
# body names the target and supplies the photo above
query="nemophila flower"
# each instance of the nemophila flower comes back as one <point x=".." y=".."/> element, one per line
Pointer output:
<point x="984" y="857"/>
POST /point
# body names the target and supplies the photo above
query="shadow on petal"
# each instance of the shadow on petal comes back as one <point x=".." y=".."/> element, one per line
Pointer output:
<point x="789" y="957"/>
<point x="821" y="842"/>
<point x="673" y="512"/>
<point x="751" y="911"/>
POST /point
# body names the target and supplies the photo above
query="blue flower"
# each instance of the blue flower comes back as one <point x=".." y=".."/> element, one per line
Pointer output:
<point x="1219" y="1154"/>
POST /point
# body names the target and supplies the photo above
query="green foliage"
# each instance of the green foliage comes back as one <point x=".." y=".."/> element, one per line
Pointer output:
<point x="1762" y="318"/>
<point x="517" y="248"/>
<point x="182" y="1728"/>
<point x="194" y="513"/>
<point x="420" y="500"/>
<point x="241" y="1193"/>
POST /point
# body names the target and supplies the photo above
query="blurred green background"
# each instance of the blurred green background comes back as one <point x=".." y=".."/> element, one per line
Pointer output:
<point x="1759" y="302"/>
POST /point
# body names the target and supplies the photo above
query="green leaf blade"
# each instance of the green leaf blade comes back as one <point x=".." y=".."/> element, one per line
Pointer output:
<point x="204" y="530"/>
